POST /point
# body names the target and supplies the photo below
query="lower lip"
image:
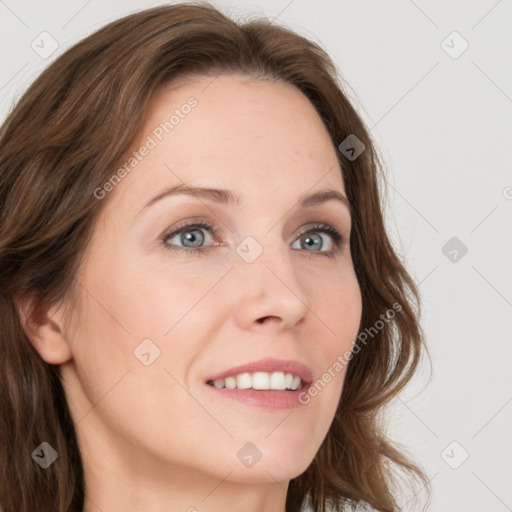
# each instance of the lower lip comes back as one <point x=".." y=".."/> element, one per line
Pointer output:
<point x="266" y="399"/>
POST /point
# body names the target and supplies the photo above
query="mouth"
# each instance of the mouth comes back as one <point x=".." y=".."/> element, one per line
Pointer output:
<point x="267" y="383"/>
<point x="276" y="381"/>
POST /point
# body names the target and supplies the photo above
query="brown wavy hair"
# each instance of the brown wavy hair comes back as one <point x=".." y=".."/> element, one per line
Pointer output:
<point x="63" y="139"/>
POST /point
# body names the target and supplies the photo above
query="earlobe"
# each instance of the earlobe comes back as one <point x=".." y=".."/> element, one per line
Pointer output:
<point x="45" y="330"/>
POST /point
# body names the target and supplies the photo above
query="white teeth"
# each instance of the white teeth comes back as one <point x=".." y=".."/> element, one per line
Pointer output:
<point x="277" y="381"/>
<point x="295" y="382"/>
<point x="244" y="381"/>
<point x="230" y="382"/>
<point x="260" y="380"/>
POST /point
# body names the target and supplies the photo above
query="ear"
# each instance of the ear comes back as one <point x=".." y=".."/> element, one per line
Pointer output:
<point x="45" y="330"/>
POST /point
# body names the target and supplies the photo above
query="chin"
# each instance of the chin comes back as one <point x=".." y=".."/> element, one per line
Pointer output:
<point x="277" y="461"/>
<point x="268" y="473"/>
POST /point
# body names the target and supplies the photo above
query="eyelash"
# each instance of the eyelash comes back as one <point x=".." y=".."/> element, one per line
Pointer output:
<point x="338" y="238"/>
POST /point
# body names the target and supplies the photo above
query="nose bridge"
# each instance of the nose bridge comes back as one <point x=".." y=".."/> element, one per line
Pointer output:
<point x="265" y="250"/>
<point x="270" y="286"/>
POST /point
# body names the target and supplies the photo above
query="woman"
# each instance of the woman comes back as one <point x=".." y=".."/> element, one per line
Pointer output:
<point x="168" y="342"/>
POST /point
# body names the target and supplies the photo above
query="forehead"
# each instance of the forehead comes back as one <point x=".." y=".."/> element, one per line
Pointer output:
<point x="253" y="136"/>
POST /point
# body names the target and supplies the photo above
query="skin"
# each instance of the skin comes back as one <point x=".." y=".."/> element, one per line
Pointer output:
<point x="155" y="437"/>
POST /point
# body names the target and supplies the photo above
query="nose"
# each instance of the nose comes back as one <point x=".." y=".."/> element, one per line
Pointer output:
<point x="269" y="292"/>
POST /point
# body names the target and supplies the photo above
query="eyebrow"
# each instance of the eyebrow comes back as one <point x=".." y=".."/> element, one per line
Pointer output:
<point x="223" y="196"/>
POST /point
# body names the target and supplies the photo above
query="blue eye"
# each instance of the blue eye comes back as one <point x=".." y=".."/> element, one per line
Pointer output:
<point x="192" y="238"/>
<point x="189" y="234"/>
<point x="312" y="239"/>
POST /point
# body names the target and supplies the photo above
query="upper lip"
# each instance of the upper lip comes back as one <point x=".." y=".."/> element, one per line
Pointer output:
<point x="269" y="365"/>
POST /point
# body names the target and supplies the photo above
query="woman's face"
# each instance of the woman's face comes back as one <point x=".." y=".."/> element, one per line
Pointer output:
<point x="165" y="309"/>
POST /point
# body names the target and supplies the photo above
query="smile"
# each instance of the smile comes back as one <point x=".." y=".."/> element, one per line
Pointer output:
<point x="278" y="381"/>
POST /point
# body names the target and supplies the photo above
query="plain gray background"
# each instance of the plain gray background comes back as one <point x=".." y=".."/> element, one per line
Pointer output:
<point x="441" y="114"/>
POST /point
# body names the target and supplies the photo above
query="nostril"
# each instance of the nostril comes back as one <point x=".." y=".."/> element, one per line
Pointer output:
<point x="261" y="320"/>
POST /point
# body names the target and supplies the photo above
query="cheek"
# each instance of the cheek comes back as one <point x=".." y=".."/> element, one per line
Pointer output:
<point x="123" y="326"/>
<point x="341" y="307"/>
<point x="154" y="297"/>
<point x="340" y="310"/>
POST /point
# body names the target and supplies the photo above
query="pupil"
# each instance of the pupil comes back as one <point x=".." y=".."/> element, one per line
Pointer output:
<point x="191" y="237"/>
<point x="311" y="242"/>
